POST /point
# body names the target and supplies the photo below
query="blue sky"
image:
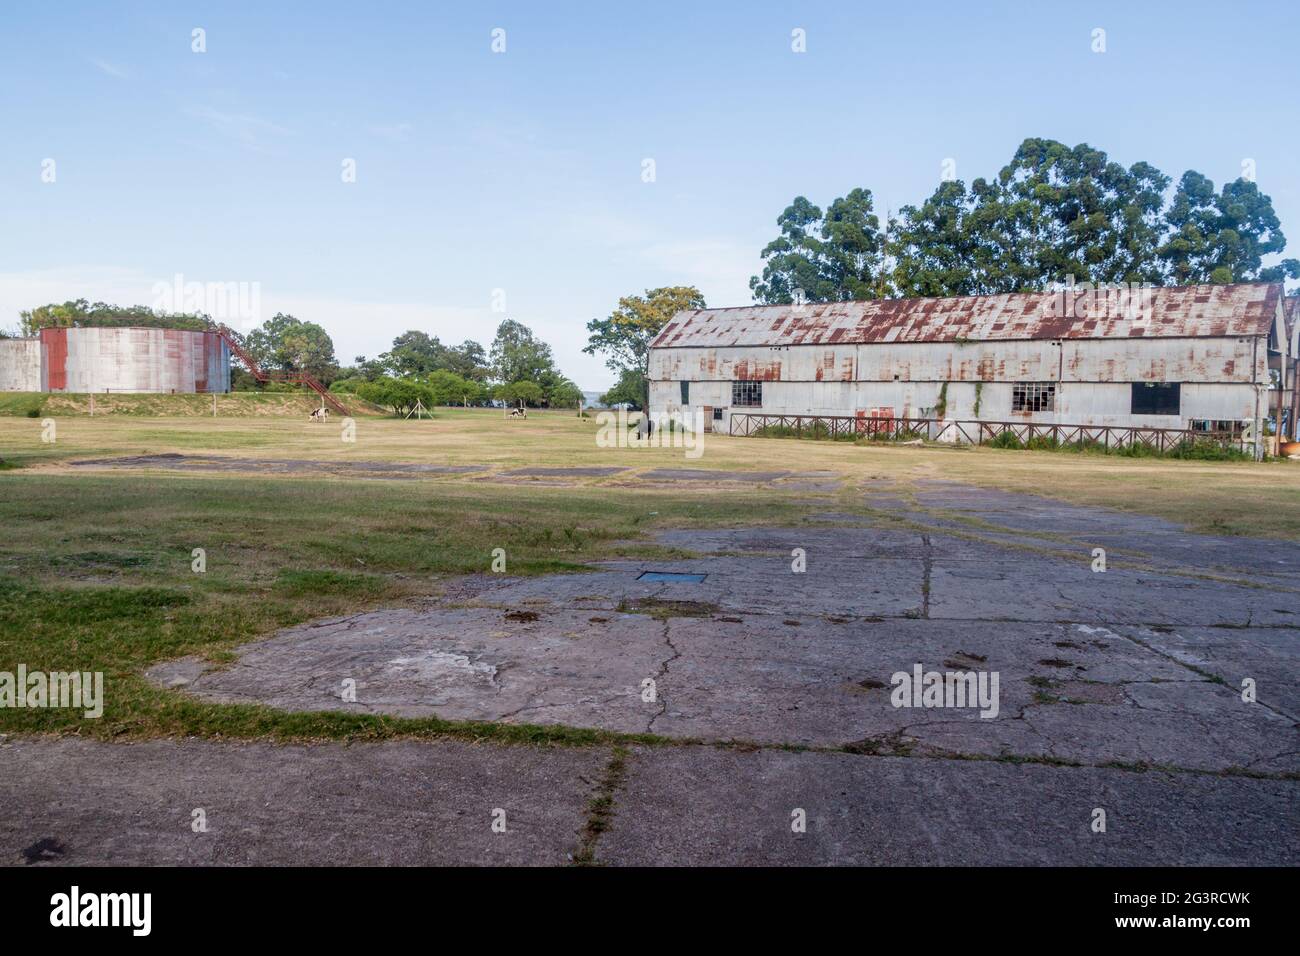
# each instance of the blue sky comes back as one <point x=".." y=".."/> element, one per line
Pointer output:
<point x="522" y="171"/>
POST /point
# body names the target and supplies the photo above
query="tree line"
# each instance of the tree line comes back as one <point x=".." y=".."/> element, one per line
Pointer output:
<point x="1052" y="213"/>
<point x="517" y="367"/>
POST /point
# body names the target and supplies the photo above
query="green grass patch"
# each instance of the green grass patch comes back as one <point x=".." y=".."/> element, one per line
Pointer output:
<point x="96" y="575"/>
<point x="26" y="404"/>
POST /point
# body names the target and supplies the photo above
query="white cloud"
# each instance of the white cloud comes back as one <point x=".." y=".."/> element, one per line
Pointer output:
<point x="109" y="68"/>
<point x="720" y="268"/>
<point x="394" y="131"/>
<point x="250" y="130"/>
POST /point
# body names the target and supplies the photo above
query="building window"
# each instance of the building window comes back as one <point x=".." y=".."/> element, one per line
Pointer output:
<point x="747" y="394"/>
<point x="1215" y="425"/>
<point x="717" y="414"/>
<point x="1156" y="398"/>
<point x="1033" y="397"/>
<point x="686" y="393"/>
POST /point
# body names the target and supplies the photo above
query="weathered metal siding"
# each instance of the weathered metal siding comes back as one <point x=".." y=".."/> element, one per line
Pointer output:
<point x="1219" y="311"/>
<point x="1118" y="360"/>
<point x="844" y="358"/>
<point x="20" y="365"/>
<point x="133" y="360"/>
<point x="1077" y="403"/>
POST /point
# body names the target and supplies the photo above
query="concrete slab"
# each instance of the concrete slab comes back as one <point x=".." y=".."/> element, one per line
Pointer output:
<point x="1065" y="692"/>
<point x="469" y="664"/>
<point x="1265" y="655"/>
<point x="1092" y="668"/>
<point x="377" y="804"/>
<point x="709" y="807"/>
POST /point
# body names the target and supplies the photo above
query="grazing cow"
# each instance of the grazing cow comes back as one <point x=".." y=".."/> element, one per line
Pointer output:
<point x="320" y="414"/>
<point x="518" y="413"/>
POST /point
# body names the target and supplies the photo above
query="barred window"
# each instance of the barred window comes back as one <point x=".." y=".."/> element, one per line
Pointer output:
<point x="1033" y="397"/>
<point x="747" y="394"/>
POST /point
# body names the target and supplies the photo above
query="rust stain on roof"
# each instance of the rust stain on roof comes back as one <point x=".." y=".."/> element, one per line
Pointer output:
<point x="1205" y="311"/>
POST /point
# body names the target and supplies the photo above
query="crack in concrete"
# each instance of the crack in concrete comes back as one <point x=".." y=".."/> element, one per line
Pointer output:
<point x="663" y="672"/>
<point x="1212" y="678"/>
<point x="927" y="564"/>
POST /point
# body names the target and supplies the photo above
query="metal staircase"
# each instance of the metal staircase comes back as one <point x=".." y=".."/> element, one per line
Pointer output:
<point x="293" y="378"/>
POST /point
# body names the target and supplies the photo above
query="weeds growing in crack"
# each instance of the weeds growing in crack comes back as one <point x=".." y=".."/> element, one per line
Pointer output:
<point x="600" y="808"/>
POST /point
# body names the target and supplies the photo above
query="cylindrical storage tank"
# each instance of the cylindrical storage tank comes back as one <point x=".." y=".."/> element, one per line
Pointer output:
<point x="20" y="365"/>
<point x="133" y="360"/>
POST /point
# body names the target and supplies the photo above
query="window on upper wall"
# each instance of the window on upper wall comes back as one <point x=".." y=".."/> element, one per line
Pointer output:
<point x="1156" y="398"/>
<point x="1033" y="397"/>
<point x="686" y="393"/>
<point x="747" y="394"/>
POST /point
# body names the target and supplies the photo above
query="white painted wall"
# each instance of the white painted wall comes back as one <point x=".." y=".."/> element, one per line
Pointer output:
<point x="20" y="365"/>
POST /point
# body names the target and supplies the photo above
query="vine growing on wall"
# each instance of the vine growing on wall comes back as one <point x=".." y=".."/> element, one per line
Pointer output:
<point x="979" y="392"/>
<point x="941" y="407"/>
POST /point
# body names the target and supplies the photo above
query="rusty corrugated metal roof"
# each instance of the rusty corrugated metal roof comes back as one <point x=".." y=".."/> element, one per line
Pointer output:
<point x="1201" y="311"/>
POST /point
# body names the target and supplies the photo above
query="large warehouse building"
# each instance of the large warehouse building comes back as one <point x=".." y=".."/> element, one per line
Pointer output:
<point x="1195" y="357"/>
<point x="98" y="360"/>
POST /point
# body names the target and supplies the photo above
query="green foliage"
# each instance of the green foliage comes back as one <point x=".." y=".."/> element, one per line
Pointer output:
<point x="414" y="353"/>
<point x="1193" y="449"/>
<point x="400" y="394"/>
<point x="817" y="431"/>
<point x="1004" y="439"/>
<point x="22" y="403"/>
<point x="624" y="337"/>
<point x="519" y="356"/>
<point x="347" y="386"/>
<point x="1042" y="443"/>
<point x="1052" y="213"/>
<point x="521" y="392"/>
<point x="1207" y="451"/>
<point x="288" y="344"/>
<point x="1221" y="237"/>
<point x="979" y="397"/>
<point x="631" y="389"/>
<point x="460" y="374"/>
<point x="565" y="394"/>
<point x="448" y="388"/>
<point x="832" y="257"/>
<point x="941" y="407"/>
<point x="81" y="314"/>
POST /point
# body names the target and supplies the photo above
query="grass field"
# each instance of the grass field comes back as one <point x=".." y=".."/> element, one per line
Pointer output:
<point x="1214" y="497"/>
<point x="95" y="566"/>
<point x="232" y="405"/>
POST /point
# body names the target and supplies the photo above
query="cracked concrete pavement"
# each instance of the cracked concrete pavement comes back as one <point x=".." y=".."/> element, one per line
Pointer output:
<point x="1120" y="690"/>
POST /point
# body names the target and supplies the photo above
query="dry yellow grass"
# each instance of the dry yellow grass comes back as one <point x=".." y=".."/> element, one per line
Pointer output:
<point x="1214" y="497"/>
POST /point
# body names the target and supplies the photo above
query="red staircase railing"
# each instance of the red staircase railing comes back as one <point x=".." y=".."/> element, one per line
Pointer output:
<point x="293" y="378"/>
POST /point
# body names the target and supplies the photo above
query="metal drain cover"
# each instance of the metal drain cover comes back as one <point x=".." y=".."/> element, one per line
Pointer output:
<point x="678" y="576"/>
